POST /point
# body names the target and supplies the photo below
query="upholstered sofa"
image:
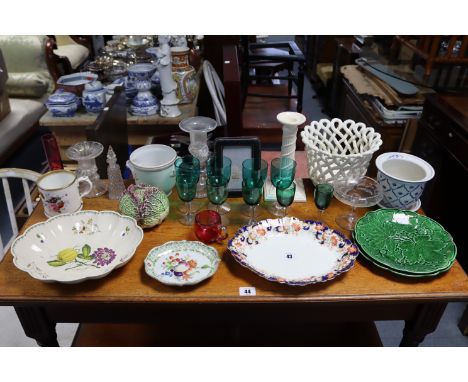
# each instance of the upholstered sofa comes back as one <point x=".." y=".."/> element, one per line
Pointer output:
<point x="29" y="83"/>
<point x="29" y="72"/>
<point x="32" y="72"/>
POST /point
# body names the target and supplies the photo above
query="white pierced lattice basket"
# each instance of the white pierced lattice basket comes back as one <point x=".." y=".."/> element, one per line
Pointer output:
<point x="338" y="150"/>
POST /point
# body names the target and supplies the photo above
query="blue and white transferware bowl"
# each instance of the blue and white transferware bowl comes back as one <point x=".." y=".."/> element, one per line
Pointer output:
<point x="77" y="79"/>
<point x="141" y="71"/>
<point x="144" y="111"/>
<point x="293" y="252"/>
<point x="403" y="178"/>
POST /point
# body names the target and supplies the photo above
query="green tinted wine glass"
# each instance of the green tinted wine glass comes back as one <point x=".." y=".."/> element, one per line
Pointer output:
<point x="219" y="174"/>
<point x="283" y="170"/>
<point x="217" y="194"/>
<point x="285" y="197"/>
<point x="323" y="194"/>
<point x="254" y="173"/>
<point x="187" y="171"/>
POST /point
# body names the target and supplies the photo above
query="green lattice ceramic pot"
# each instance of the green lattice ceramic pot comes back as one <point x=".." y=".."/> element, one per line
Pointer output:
<point x="405" y="241"/>
<point x="148" y="205"/>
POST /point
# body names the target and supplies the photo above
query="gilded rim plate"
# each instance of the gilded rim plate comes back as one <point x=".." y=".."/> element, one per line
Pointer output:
<point x="405" y="241"/>
<point x="182" y="262"/>
<point x="293" y="252"/>
<point x="71" y="248"/>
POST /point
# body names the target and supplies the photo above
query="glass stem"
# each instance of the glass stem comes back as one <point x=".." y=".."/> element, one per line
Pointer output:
<point x="283" y="212"/>
<point x="189" y="207"/>
<point x="252" y="213"/>
<point x="352" y="215"/>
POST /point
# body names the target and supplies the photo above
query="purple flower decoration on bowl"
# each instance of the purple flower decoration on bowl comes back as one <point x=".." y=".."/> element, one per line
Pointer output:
<point x="103" y="256"/>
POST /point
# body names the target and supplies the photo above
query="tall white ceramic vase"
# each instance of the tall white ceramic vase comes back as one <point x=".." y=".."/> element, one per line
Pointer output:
<point x="290" y="121"/>
<point x="169" y="102"/>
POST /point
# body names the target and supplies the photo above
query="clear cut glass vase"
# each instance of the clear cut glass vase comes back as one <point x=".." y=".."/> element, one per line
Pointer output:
<point x="198" y="128"/>
<point x="85" y="153"/>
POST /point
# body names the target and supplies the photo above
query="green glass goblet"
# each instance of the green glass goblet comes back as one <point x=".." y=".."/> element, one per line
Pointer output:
<point x="219" y="174"/>
<point x="285" y="197"/>
<point x="217" y="193"/>
<point x="323" y="194"/>
<point x="254" y="173"/>
<point x="251" y="197"/>
<point x="187" y="174"/>
<point x="283" y="170"/>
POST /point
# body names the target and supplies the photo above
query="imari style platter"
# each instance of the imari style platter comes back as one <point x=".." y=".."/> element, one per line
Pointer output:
<point x="74" y="247"/>
<point x="182" y="262"/>
<point x="405" y="241"/>
<point x="294" y="252"/>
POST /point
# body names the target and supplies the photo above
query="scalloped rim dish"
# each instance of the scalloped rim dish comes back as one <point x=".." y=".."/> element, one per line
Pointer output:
<point x="182" y="262"/>
<point x="315" y="254"/>
<point x="84" y="255"/>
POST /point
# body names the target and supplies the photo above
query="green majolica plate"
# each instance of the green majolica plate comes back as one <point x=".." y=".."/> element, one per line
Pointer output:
<point x="401" y="273"/>
<point x="405" y="241"/>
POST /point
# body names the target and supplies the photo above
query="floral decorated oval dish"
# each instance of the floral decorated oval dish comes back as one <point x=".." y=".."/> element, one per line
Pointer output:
<point x="294" y="252"/>
<point x="72" y="248"/>
<point x="182" y="262"/>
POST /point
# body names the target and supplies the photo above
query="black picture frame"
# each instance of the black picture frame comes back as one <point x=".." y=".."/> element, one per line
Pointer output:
<point x="237" y="149"/>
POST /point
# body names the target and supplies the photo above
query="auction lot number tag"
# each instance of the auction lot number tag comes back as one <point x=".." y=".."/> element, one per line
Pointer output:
<point x="247" y="291"/>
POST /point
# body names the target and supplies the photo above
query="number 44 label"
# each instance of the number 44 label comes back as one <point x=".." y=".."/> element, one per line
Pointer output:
<point x="247" y="291"/>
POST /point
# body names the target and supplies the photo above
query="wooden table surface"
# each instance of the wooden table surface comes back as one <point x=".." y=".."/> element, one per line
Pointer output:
<point x="130" y="284"/>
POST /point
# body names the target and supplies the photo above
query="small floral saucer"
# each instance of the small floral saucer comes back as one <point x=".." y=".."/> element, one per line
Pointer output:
<point x="182" y="262"/>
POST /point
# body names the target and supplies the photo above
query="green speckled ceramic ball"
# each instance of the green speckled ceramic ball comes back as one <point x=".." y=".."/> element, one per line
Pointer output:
<point x="148" y="205"/>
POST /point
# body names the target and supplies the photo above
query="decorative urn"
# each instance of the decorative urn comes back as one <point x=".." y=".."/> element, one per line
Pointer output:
<point x="184" y="74"/>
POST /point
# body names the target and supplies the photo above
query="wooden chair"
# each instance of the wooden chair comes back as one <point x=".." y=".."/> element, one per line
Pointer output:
<point x="74" y="51"/>
<point x="430" y="49"/>
<point x="268" y="59"/>
<point x="25" y="176"/>
<point x="257" y="115"/>
<point x="110" y="129"/>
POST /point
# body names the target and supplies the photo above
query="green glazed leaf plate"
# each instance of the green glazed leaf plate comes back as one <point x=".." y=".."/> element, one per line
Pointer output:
<point x="405" y="241"/>
<point x="401" y="273"/>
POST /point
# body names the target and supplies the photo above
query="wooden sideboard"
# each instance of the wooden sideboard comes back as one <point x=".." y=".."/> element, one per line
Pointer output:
<point x="442" y="140"/>
<point x="352" y="105"/>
